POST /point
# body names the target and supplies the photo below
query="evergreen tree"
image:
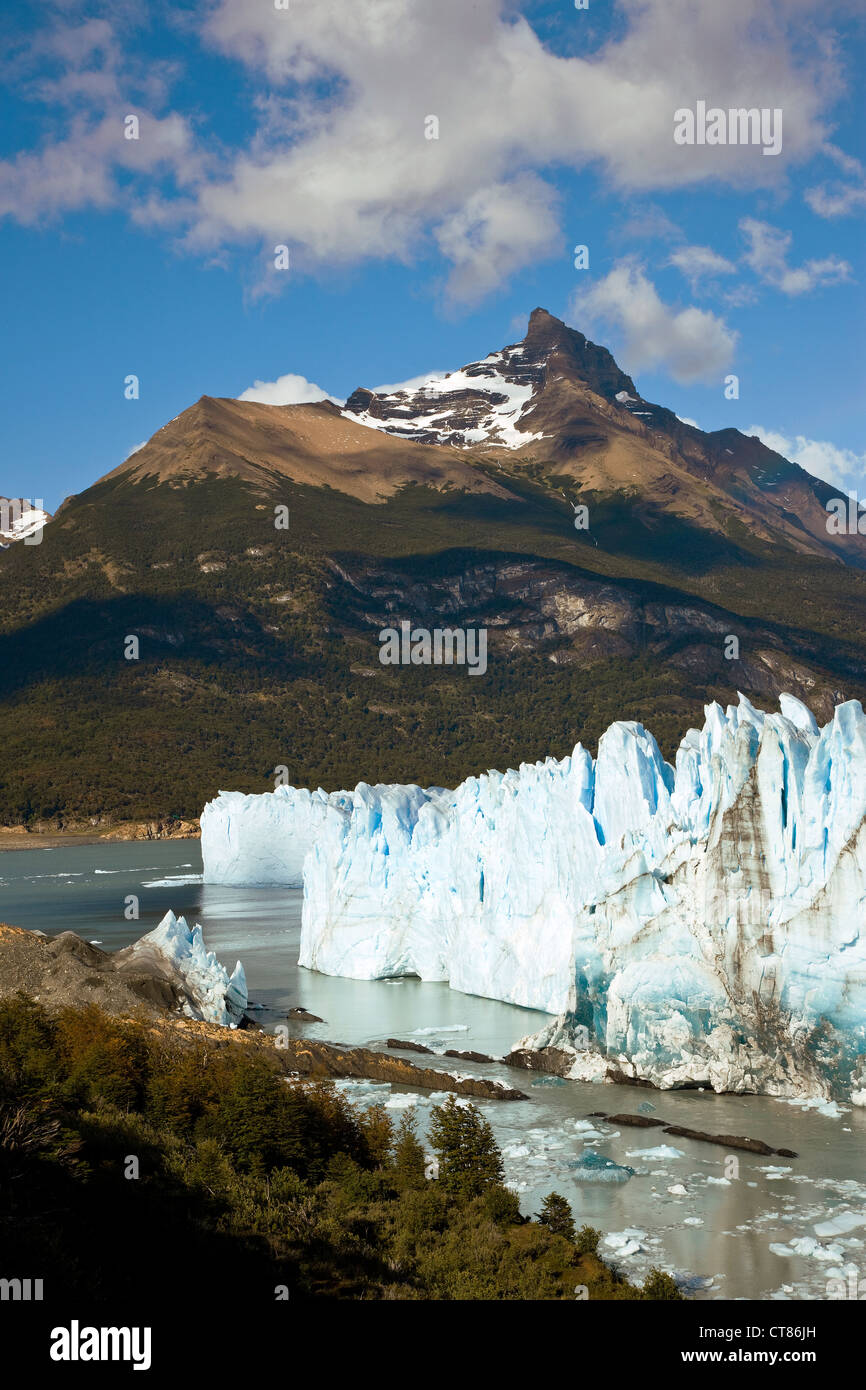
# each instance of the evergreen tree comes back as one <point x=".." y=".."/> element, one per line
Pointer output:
<point x="408" y="1155"/>
<point x="378" y="1130"/>
<point x="658" y="1285"/>
<point x="469" y="1157"/>
<point x="587" y="1240"/>
<point x="556" y="1215"/>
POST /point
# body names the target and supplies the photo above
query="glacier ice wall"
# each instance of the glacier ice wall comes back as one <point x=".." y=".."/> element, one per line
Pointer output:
<point x="262" y="839"/>
<point x="691" y="925"/>
<point x="177" y="952"/>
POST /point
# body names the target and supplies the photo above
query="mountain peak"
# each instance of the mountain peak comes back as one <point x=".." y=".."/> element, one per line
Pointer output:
<point x="485" y="403"/>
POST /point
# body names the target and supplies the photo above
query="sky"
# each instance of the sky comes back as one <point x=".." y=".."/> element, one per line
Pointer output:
<point x="429" y="167"/>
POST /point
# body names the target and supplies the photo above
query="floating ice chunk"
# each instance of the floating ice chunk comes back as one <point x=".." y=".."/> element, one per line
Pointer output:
<point x="840" y="1225"/>
<point x="625" y="1243"/>
<point x="594" y="1167"/>
<point x="660" y="1151"/>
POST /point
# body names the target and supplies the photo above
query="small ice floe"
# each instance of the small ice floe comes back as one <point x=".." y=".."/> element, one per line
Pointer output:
<point x="445" y="1028"/>
<point x="645" y="1108"/>
<point x="693" y="1283"/>
<point x="677" y="1190"/>
<point x="628" y="1242"/>
<point x="816" y="1103"/>
<point x="174" y="881"/>
<point x="808" y="1249"/>
<point x="840" y="1225"/>
<point x="719" y="1182"/>
<point x="95" y="941"/>
<point x="401" y="1102"/>
<point x="774" y="1172"/>
<point x="660" y="1151"/>
<point x="693" y="1221"/>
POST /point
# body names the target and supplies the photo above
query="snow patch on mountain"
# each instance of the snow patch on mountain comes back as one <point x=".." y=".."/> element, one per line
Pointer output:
<point x="482" y="403"/>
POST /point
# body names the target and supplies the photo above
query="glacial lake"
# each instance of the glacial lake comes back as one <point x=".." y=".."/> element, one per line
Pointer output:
<point x="726" y="1236"/>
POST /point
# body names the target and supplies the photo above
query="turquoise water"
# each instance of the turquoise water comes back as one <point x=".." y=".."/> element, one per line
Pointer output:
<point x="716" y="1228"/>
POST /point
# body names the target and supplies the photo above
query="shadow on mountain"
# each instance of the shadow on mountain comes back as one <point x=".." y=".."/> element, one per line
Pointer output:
<point x="90" y="637"/>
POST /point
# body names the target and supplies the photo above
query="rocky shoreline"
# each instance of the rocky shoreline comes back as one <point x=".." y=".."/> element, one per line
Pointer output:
<point x="94" y="832"/>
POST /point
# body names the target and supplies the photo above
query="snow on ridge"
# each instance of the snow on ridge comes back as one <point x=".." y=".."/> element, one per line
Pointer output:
<point x="498" y="426"/>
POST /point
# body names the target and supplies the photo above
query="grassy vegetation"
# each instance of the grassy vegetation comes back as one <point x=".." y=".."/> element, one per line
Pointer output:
<point x="125" y="1152"/>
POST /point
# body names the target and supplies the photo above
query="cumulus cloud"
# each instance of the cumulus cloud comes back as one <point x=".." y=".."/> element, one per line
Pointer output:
<point x="338" y="166"/>
<point x="692" y="344"/>
<point x="767" y="255"/>
<point x="836" y="198"/>
<point x="843" y="468"/>
<point x="701" y="263"/>
<point x="290" y="389"/>
<point x="498" y="230"/>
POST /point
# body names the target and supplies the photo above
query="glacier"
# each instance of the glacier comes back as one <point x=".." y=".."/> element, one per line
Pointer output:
<point x="689" y="925"/>
<point x="261" y="839"/>
<point x="176" y="952"/>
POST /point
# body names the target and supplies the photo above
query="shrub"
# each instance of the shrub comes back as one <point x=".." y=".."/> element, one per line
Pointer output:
<point x="556" y="1215"/>
<point x="586" y="1241"/>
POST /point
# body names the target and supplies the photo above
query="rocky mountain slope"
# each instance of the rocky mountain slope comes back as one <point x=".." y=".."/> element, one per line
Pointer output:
<point x="255" y="552"/>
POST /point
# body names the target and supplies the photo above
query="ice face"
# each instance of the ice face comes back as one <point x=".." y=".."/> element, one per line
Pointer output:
<point x="689" y="924"/>
<point x="177" y="951"/>
<point x="261" y="839"/>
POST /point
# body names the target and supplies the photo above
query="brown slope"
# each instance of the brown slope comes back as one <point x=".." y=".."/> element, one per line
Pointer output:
<point x="312" y="444"/>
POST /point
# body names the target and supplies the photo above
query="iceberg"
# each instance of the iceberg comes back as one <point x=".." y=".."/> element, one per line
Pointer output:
<point x="176" y="952"/>
<point x="688" y="924"/>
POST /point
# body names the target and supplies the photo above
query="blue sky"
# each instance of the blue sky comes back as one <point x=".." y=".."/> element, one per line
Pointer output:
<point x="306" y="127"/>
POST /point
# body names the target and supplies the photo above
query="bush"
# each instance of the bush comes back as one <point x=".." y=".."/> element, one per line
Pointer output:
<point x="501" y="1205"/>
<point x="586" y="1241"/>
<point x="658" y="1285"/>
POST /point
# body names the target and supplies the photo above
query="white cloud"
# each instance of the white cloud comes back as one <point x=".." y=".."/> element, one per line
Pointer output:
<point x="692" y="344"/>
<point x="498" y="230"/>
<point x="767" y="255"/>
<point x="841" y="467"/>
<point x="286" y="390"/>
<point x="414" y="383"/>
<point x="838" y="199"/>
<point x="700" y="263"/>
<point x="338" y="166"/>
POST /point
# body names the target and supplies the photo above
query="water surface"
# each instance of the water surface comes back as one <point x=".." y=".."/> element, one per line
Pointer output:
<point x="717" y="1232"/>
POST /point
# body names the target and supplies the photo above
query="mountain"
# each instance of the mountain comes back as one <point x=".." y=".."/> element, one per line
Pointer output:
<point x="255" y="552"/>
